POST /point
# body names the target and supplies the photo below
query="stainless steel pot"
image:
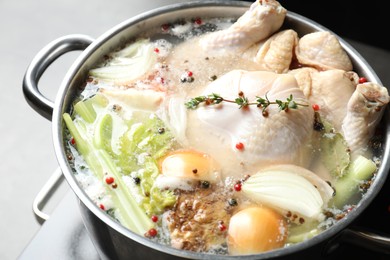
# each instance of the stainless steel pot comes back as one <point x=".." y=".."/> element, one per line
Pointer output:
<point x="112" y="240"/>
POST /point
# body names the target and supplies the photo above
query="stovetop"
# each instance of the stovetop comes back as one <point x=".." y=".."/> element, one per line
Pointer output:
<point x="64" y="236"/>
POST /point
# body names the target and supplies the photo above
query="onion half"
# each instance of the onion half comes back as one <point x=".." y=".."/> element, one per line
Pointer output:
<point x="289" y="188"/>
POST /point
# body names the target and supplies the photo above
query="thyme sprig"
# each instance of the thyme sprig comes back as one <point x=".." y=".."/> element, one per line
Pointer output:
<point x="242" y="101"/>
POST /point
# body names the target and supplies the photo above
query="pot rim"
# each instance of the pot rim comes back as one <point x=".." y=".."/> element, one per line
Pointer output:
<point x="58" y="126"/>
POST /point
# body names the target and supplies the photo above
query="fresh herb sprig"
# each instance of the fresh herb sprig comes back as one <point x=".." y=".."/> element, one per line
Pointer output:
<point x="242" y="101"/>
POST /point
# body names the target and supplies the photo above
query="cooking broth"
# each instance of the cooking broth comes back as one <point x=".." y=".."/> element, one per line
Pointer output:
<point x="183" y="175"/>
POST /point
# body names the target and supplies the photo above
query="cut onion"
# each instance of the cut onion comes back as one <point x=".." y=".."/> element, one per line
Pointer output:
<point x="289" y="188"/>
<point x="128" y="64"/>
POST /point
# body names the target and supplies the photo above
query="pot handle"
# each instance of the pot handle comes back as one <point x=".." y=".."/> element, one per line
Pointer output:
<point x="41" y="62"/>
<point x="45" y="194"/>
<point x="361" y="237"/>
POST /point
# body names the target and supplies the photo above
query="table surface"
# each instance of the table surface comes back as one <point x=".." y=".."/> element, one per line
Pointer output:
<point x="27" y="151"/>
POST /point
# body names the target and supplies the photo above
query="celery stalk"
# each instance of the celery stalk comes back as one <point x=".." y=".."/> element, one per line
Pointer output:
<point x="103" y="133"/>
<point x="303" y="236"/>
<point x="361" y="169"/>
<point x="131" y="215"/>
<point x="86" y="108"/>
<point x="131" y="212"/>
<point x="140" y="148"/>
<point x="86" y="112"/>
<point x="82" y="146"/>
<point x="113" y="145"/>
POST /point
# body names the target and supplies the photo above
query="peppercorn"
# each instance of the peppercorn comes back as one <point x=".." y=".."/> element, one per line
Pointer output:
<point x="221" y="226"/>
<point x="316" y="107"/>
<point x="165" y="27"/>
<point x="232" y="202"/>
<point x="362" y="80"/>
<point x="318" y="126"/>
<point x="198" y="21"/>
<point x="240" y="146"/>
<point x="109" y="180"/>
<point x="205" y="184"/>
<point x="328" y="214"/>
<point x="154" y="218"/>
<point x="137" y="180"/>
<point x="237" y="187"/>
<point x="187" y="77"/>
<point x="151" y="233"/>
<point x="213" y="77"/>
<point x="160" y="80"/>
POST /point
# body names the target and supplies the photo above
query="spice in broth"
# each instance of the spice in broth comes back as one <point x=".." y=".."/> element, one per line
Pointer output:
<point x="227" y="136"/>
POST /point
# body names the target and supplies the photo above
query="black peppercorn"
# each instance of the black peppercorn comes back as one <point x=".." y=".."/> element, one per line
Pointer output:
<point x="205" y="184"/>
<point x="232" y="202"/>
<point x="137" y="180"/>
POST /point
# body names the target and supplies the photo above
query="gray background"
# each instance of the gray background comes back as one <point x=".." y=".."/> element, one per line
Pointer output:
<point x="26" y="151"/>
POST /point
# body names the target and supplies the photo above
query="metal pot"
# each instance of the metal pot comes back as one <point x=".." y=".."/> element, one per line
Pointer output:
<point x="112" y="240"/>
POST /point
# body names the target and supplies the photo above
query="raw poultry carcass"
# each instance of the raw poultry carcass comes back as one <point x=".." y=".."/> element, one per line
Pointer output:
<point x="364" y="111"/>
<point x="279" y="136"/>
<point x="322" y="50"/>
<point x="353" y="109"/>
<point x="276" y="54"/>
<point x="330" y="89"/>
<point x="263" y="18"/>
